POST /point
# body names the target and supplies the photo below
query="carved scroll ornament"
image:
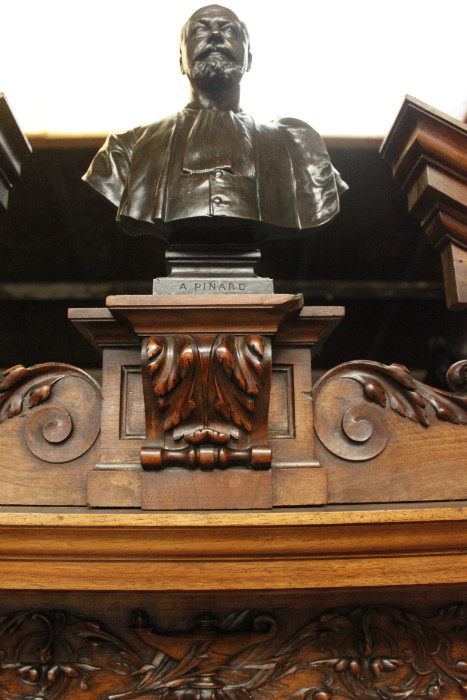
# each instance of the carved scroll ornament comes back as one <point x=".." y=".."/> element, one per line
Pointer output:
<point x="67" y="426"/>
<point x="206" y="400"/>
<point x="359" y="430"/>
<point x="359" y="653"/>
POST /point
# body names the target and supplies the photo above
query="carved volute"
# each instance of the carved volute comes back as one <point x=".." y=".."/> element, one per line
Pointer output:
<point x="57" y="429"/>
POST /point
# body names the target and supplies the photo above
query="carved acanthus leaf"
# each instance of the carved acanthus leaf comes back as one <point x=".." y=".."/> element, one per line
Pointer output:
<point x="21" y="387"/>
<point x="237" y="377"/>
<point x="200" y="394"/>
<point x="394" y="386"/>
<point x="171" y="366"/>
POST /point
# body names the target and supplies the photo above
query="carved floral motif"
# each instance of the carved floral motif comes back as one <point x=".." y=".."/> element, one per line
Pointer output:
<point x="58" y="432"/>
<point x="359" y="431"/>
<point x="52" y="654"/>
<point x="361" y="653"/>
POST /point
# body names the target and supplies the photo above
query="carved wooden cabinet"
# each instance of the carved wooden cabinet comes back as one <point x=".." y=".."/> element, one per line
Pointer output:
<point x="209" y="525"/>
<point x="312" y="603"/>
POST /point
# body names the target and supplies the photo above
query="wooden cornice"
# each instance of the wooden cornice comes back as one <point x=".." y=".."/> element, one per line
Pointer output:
<point x="314" y="325"/>
<point x="14" y="149"/>
<point x="260" y="313"/>
<point x="77" y="549"/>
<point x="427" y="153"/>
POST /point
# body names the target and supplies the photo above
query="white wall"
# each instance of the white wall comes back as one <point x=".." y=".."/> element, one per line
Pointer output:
<point x="344" y="66"/>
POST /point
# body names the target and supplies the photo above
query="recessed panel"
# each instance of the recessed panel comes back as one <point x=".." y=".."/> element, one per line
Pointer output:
<point x="132" y="421"/>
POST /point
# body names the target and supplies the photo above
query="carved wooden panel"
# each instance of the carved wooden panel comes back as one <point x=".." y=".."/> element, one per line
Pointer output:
<point x="297" y="478"/>
<point x="289" y="400"/>
<point x="132" y="421"/>
<point x="123" y="406"/>
<point x="386" y="437"/>
<point x="377" y="651"/>
<point x="281" y="414"/>
<point x="50" y="416"/>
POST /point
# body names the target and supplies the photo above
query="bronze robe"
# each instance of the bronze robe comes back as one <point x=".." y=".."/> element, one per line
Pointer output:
<point x="281" y="174"/>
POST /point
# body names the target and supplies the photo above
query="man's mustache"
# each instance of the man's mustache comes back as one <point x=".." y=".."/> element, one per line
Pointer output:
<point x="214" y="49"/>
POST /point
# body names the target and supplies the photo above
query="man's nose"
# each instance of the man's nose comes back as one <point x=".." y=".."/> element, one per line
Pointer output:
<point x="216" y="34"/>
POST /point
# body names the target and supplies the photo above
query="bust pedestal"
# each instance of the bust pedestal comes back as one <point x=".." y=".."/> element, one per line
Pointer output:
<point x="226" y="381"/>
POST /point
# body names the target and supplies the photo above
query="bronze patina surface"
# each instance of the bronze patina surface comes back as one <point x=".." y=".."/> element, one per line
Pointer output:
<point x="210" y="173"/>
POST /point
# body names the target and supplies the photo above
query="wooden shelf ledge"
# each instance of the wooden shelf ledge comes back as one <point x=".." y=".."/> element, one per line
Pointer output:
<point x="78" y="549"/>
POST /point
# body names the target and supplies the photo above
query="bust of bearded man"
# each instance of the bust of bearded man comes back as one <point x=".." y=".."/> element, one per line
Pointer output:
<point x="211" y="170"/>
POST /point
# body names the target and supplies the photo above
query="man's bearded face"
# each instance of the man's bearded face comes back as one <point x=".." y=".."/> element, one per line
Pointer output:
<point x="215" y="70"/>
<point x="214" y="48"/>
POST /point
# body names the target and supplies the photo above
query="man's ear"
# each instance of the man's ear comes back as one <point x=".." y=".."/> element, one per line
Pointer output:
<point x="250" y="58"/>
<point x="181" y="65"/>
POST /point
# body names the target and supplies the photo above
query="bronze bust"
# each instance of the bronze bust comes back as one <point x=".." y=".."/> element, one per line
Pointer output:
<point x="211" y="164"/>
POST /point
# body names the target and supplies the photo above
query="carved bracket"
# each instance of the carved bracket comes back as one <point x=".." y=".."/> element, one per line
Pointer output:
<point x="359" y="431"/>
<point x="206" y="401"/>
<point x="60" y="431"/>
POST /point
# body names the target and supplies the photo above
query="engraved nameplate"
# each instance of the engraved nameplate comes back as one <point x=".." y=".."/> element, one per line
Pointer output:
<point x="213" y="285"/>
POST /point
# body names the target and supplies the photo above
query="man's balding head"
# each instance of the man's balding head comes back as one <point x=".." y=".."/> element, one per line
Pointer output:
<point x="214" y="47"/>
<point x="213" y="10"/>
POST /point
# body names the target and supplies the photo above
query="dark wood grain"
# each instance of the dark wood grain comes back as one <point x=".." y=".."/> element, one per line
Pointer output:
<point x="179" y="489"/>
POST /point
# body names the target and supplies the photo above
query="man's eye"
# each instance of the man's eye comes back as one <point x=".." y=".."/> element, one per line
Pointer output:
<point x="229" y="32"/>
<point x="197" y="32"/>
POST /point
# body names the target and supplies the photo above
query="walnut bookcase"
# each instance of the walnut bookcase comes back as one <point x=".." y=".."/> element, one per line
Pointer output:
<point x="327" y="564"/>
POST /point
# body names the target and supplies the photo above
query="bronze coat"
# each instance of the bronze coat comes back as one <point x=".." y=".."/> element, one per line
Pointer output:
<point x="296" y="184"/>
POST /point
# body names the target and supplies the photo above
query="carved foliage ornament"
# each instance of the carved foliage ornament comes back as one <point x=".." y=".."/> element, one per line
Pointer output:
<point x="52" y="654"/>
<point x="358" y="430"/>
<point x="371" y="653"/>
<point x="60" y="431"/>
<point x="207" y="400"/>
